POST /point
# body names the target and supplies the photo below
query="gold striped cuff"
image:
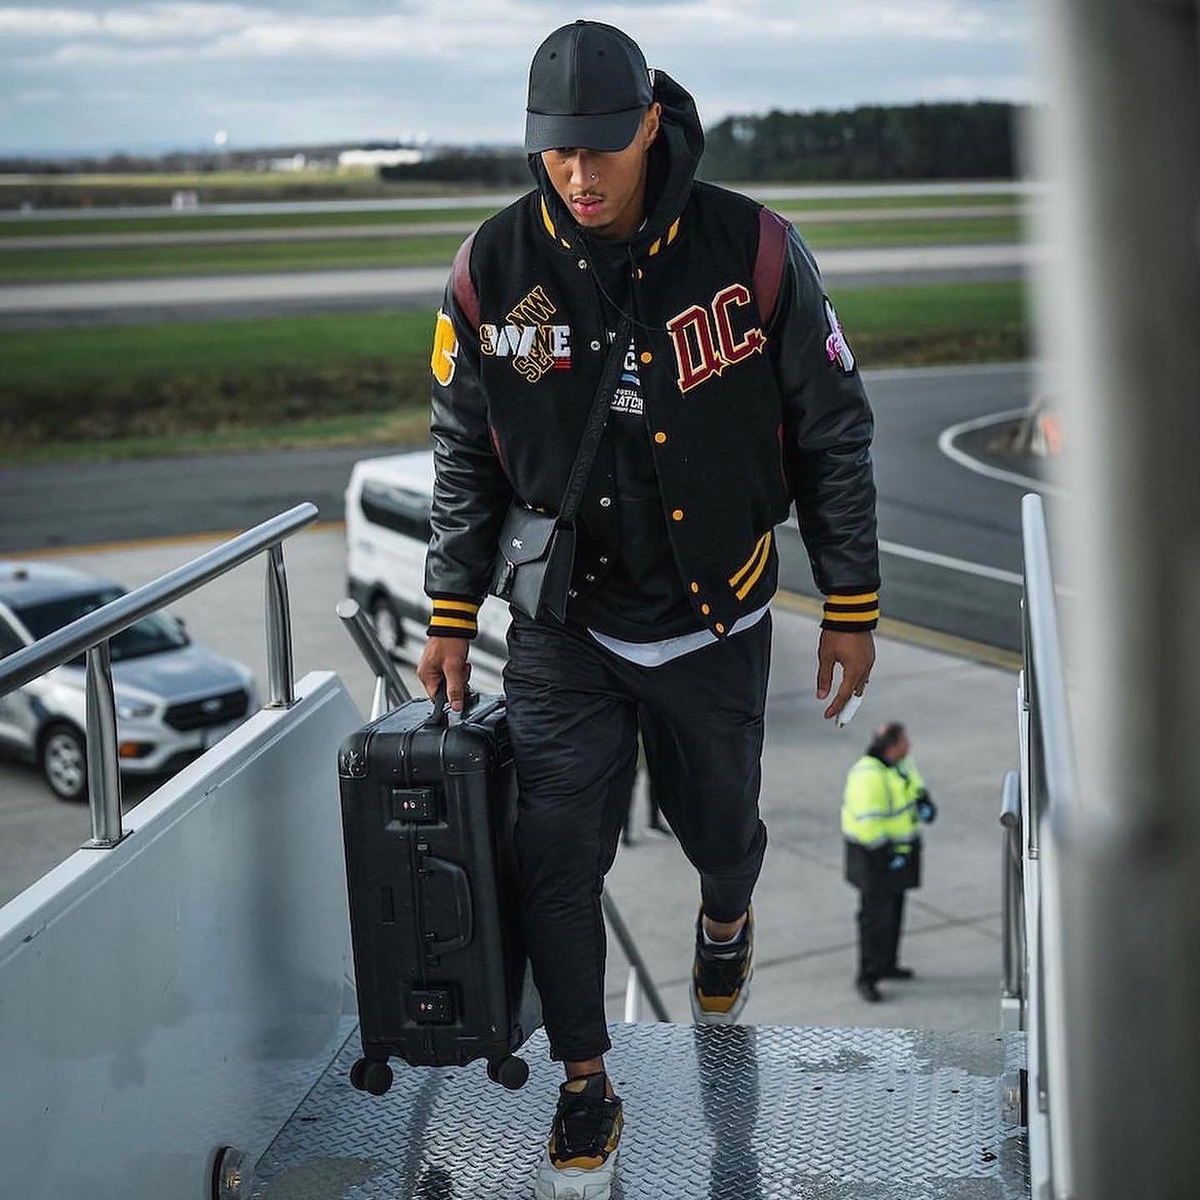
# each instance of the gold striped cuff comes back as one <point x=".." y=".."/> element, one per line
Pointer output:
<point x="856" y="610"/>
<point x="457" y="617"/>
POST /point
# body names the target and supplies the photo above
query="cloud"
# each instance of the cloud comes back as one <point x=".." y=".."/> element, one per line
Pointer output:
<point x="460" y="70"/>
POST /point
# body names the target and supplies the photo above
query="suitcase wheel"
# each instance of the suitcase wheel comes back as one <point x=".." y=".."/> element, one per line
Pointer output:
<point x="510" y="1071"/>
<point x="373" y="1077"/>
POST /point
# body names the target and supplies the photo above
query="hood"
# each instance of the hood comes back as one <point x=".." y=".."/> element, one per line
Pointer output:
<point x="674" y="158"/>
<point x="189" y="673"/>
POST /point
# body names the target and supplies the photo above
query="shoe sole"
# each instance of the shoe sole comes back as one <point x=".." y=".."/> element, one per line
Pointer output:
<point x="700" y="1017"/>
<point x="574" y="1183"/>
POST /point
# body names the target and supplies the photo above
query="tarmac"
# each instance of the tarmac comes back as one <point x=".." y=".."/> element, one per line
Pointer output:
<point x="960" y="715"/>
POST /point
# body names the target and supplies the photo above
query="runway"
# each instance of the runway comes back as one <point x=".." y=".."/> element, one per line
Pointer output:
<point x="198" y="296"/>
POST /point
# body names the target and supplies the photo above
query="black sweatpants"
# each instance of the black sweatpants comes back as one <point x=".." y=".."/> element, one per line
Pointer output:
<point x="880" y="918"/>
<point x="574" y="709"/>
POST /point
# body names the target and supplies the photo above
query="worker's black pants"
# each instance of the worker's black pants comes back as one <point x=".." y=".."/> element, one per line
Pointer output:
<point x="880" y="917"/>
<point x="574" y="709"/>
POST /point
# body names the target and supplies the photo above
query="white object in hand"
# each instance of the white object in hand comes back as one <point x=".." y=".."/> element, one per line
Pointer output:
<point x="846" y="715"/>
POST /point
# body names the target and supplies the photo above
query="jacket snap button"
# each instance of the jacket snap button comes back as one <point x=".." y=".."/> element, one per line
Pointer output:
<point x="572" y="593"/>
<point x="646" y="356"/>
<point x="719" y="627"/>
<point x="660" y="437"/>
<point x="595" y="345"/>
<point x="695" y="588"/>
<point x="590" y="578"/>
<point x="583" y="264"/>
<point x="604" y="560"/>
<point x="605" y="501"/>
<point x="705" y="609"/>
<point x="677" y="515"/>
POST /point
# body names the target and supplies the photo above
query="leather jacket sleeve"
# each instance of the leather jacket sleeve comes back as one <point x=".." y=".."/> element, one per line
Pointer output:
<point x="826" y="443"/>
<point x="471" y="493"/>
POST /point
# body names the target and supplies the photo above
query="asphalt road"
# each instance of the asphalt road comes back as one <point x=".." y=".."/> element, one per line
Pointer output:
<point x="930" y="508"/>
<point x="385" y="229"/>
<point x="767" y="193"/>
<point x="199" y="296"/>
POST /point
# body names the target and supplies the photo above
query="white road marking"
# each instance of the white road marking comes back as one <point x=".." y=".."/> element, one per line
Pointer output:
<point x="946" y="445"/>
<point x="950" y="563"/>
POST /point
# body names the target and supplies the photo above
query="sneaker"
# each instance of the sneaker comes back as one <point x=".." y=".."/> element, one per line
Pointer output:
<point x="583" y="1145"/>
<point x="903" y="973"/>
<point x="868" y="991"/>
<point x="721" y="976"/>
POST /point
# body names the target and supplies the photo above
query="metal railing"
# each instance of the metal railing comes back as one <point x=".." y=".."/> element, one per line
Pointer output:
<point x="90" y="636"/>
<point x="389" y="687"/>
<point x="1012" y="902"/>
<point x="1034" y="803"/>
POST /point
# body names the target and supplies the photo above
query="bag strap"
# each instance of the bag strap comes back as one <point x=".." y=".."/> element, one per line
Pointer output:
<point x="589" y="445"/>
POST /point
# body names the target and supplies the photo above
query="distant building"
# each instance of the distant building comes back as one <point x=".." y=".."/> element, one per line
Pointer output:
<point x="291" y="162"/>
<point x="359" y="160"/>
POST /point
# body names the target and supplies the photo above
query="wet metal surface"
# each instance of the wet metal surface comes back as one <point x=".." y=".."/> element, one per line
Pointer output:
<point x="740" y="1113"/>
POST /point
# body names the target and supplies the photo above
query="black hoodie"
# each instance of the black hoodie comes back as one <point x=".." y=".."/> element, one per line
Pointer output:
<point x="751" y="400"/>
<point x="642" y="597"/>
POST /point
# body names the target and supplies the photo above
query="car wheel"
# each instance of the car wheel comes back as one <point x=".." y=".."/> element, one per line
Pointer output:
<point x="63" y="760"/>
<point x="387" y="625"/>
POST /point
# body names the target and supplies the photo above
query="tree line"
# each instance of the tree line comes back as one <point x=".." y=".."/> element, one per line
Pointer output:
<point x="872" y="142"/>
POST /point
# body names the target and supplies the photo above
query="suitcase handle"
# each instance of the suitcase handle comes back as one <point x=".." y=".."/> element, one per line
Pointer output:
<point x="441" y="714"/>
<point x="463" y="910"/>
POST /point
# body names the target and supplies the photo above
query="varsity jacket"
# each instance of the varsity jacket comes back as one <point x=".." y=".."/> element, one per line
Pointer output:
<point x="751" y="395"/>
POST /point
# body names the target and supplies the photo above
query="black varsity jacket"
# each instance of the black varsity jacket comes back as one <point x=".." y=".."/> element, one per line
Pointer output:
<point x="752" y="398"/>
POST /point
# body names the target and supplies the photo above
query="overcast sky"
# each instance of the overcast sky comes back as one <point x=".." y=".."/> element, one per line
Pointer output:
<point x="83" y="75"/>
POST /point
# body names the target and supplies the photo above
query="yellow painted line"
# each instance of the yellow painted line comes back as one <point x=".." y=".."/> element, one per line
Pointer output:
<point x="149" y="543"/>
<point x="916" y="635"/>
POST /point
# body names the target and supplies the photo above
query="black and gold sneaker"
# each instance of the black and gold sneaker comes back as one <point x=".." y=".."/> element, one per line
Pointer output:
<point x="721" y="975"/>
<point x="583" y="1145"/>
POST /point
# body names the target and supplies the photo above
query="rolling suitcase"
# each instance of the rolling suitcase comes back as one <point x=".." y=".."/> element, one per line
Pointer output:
<point x="428" y="810"/>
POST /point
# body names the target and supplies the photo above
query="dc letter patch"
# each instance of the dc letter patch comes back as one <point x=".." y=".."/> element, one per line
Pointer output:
<point x="445" y="350"/>
<point x="837" y="349"/>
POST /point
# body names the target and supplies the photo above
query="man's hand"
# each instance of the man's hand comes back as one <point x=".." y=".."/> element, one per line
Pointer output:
<point x="446" y="658"/>
<point x="856" y="653"/>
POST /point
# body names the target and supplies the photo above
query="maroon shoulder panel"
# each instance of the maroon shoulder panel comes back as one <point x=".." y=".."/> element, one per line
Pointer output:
<point x="768" y="263"/>
<point x="461" y="285"/>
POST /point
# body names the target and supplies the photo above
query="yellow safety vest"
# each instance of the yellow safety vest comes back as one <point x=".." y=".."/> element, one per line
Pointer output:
<point x="879" y="805"/>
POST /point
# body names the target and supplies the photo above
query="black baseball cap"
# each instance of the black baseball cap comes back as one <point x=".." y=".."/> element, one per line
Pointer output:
<point x="588" y="86"/>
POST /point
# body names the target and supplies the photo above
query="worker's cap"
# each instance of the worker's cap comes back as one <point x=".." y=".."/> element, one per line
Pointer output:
<point x="588" y="87"/>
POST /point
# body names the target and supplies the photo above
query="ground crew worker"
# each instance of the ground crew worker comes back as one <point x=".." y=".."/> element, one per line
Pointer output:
<point x="733" y="392"/>
<point x="884" y="804"/>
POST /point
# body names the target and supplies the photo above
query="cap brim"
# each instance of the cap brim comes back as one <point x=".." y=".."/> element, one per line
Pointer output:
<point x="603" y="131"/>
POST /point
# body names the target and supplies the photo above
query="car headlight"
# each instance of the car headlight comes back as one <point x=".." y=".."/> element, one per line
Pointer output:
<point x="131" y="710"/>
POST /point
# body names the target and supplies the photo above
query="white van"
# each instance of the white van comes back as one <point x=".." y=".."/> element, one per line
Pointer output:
<point x="387" y="531"/>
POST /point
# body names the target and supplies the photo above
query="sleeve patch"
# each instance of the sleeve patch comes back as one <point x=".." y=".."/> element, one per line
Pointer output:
<point x="445" y="350"/>
<point x="837" y="349"/>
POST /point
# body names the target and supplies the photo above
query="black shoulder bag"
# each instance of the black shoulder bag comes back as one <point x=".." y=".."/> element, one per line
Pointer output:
<point x="537" y="549"/>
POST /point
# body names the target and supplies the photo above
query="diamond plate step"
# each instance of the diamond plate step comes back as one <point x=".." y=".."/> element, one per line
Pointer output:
<point x="740" y="1113"/>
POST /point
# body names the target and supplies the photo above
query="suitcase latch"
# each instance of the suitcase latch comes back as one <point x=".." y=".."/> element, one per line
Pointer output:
<point x="418" y="805"/>
<point x="432" y="1006"/>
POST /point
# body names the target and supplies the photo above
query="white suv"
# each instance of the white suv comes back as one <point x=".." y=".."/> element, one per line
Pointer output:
<point x="174" y="698"/>
<point x="387" y="533"/>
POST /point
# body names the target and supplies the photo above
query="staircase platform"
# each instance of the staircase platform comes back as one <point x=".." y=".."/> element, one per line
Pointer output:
<point x="741" y="1113"/>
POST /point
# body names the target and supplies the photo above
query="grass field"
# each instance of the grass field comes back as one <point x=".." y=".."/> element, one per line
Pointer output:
<point x="27" y="266"/>
<point x="358" y="378"/>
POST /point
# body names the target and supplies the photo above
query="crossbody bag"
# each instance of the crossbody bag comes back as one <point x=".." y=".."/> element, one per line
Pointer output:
<point x="537" y="549"/>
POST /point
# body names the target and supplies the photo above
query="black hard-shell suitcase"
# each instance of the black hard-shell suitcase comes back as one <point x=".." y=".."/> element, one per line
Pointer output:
<point x="428" y="809"/>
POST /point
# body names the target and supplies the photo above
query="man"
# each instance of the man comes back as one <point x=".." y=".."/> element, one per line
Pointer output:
<point x="884" y="803"/>
<point x="737" y="393"/>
